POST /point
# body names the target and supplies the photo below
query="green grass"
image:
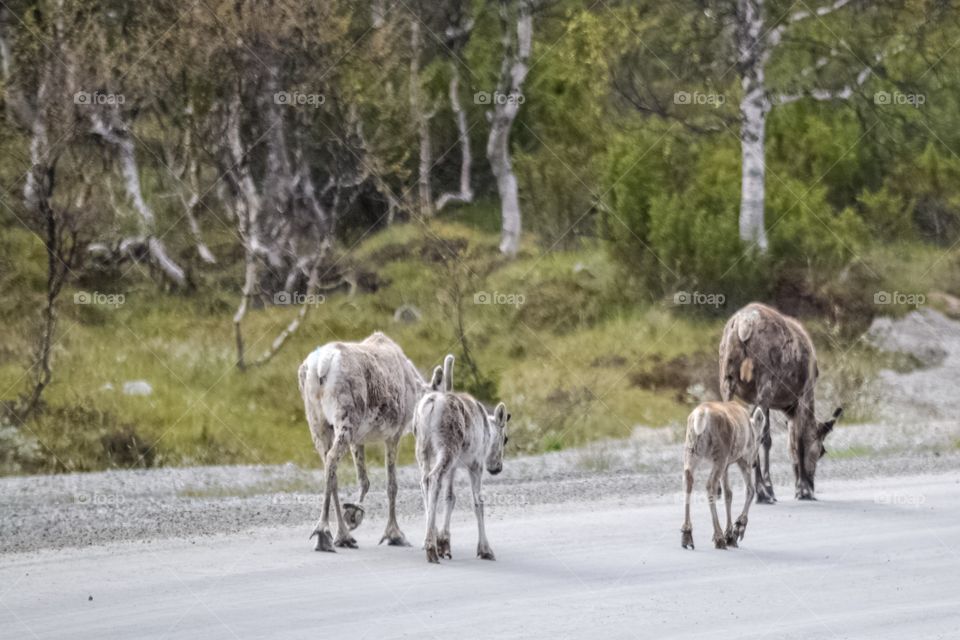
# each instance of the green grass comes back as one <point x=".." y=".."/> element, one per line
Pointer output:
<point x="569" y="361"/>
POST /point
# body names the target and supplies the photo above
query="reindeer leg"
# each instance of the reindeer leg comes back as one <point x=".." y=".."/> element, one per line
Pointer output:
<point x="686" y="531"/>
<point x="484" y="551"/>
<point x="719" y="539"/>
<point x="322" y="530"/>
<point x="443" y="539"/>
<point x="741" y="526"/>
<point x="339" y="449"/>
<point x="433" y="483"/>
<point x="803" y="482"/>
<point x="731" y="538"/>
<point x="353" y="512"/>
<point x="392" y="535"/>
<point x="764" y="484"/>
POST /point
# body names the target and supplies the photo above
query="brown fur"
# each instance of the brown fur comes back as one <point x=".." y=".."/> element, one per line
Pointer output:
<point x="768" y="359"/>
<point x="724" y="434"/>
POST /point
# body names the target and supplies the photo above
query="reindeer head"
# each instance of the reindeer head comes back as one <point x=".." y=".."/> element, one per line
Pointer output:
<point x="498" y="421"/>
<point x="810" y="452"/>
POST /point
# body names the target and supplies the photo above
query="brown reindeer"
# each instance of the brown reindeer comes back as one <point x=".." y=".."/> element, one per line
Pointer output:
<point x="767" y="359"/>
<point x="723" y="433"/>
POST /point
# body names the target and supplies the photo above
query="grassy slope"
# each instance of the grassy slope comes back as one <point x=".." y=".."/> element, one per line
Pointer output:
<point x="575" y="362"/>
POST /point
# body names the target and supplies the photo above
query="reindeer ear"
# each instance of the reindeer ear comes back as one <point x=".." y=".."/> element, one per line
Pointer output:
<point x="509" y="415"/>
<point x="500" y="413"/>
<point x="824" y="428"/>
<point x="437" y="378"/>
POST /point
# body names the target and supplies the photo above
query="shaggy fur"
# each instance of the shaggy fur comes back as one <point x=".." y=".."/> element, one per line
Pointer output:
<point x="355" y="393"/>
<point x="767" y="359"/>
<point x="724" y="434"/>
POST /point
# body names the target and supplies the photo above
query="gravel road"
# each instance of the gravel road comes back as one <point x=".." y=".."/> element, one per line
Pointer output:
<point x="868" y="560"/>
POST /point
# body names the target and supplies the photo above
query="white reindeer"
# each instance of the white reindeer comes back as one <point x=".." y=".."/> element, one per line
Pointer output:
<point x="453" y="431"/>
<point x="355" y="393"/>
<point x="723" y="433"/>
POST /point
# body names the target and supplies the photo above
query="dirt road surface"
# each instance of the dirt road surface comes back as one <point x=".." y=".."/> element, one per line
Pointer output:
<point x="870" y="559"/>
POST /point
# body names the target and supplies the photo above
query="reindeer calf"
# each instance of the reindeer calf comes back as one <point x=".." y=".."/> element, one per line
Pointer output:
<point x="723" y="433"/>
<point x="454" y="431"/>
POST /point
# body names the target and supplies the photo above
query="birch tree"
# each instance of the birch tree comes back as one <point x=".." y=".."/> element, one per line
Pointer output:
<point x="756" y="40"/>
<point x="457" y="34"/>
<point x="516" y="25"/>
<point x="747" y="36"/>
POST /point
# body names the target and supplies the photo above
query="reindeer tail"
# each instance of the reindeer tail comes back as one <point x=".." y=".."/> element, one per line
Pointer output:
<point x="317" y="366"/>
<point x="699" y="420"/>
<point x="426" y="420"/>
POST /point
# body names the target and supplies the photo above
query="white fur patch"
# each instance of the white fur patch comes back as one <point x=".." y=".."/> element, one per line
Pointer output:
<point x="745" y="324"/>
<point x="699" y="420"/>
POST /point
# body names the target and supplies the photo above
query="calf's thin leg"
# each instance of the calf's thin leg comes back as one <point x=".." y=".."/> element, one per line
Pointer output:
<point x="483" y="546"/>
<point x="740" y="528"/>
<point x="434" y="482"/>
<point x="731" y="539"/>
<point x="719" y="540"/>
<point x="392" y="535"/>
<point x="443" y="539"/>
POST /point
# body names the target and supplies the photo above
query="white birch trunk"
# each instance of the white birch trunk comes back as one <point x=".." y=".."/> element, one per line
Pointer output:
<point x="753" y="183"/>
<point x="116" y="134"/>
<point x="754" y="107"/>
<point x="513" y="72"/>
<point x="424" y="189"/>
<point x="465" y="194"/>
<point x="190" y="203"/>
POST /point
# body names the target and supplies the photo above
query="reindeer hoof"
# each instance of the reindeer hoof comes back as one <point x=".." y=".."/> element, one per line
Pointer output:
<point x="686" y="539"/>
<point x="324" y="541"/>
<point x="719" y="541"/>
<point x="394" y="537"/>
<point x="432" y="556"/>
<point x="805" y="495"/>
<point x="345" y="542"/>
<point x="731" y="540"/>
<point x="443" y="548"/>
<point x="352" y="515"/>
<point x="485" y="554"/>
<point x="765" y="494"/>
<point x="740" y="528"/>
